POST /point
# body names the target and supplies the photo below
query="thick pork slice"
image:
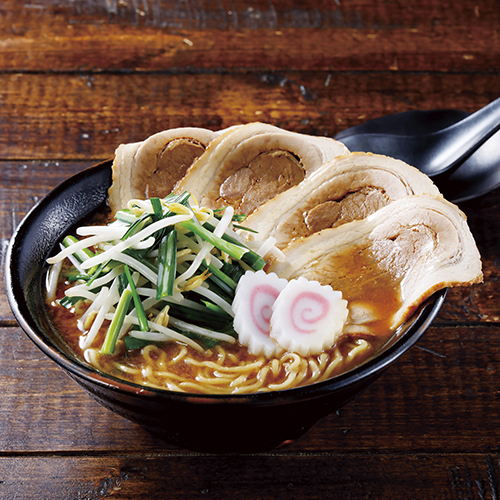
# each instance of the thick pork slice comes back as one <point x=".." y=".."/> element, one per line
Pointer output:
<point x="250" y="164"/>
<point x="348" y="188"/>
<point x="152" y="168"/>
<point x="390" y="262"/>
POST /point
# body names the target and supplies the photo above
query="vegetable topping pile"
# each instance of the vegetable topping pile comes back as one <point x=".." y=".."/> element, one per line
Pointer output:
<point x="162" y="270"/>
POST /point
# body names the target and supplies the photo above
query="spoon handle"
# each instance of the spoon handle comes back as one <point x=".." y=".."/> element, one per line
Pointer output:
<point x="463" y="138"/>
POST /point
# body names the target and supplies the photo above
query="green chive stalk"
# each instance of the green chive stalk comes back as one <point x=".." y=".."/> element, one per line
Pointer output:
<point x="141" y="314"/>
<point x="235" y="251"/>
<point x="254" y="260"/>
<point x="108" y="346"/>
<point x="167" y="265"/>
<point x="81" y="255"/>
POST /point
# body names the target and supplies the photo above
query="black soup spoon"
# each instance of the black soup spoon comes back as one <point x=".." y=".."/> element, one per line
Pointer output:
<point x="460" y="151"/>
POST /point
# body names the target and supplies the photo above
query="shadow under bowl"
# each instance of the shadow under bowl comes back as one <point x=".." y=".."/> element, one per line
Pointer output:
<point x="207" y="423"/>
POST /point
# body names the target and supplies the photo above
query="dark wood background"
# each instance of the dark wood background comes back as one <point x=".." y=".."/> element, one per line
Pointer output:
<point x="77" y="78"/>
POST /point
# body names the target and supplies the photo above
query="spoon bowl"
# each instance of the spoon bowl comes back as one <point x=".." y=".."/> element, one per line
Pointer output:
<point x="459" y="150"/>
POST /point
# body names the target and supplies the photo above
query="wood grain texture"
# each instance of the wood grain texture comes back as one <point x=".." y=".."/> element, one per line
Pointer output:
<point x="97" y="48"/>
<point x="263" y="477"/>
<point x="86" y="116"/>
<point x="240" y="15"/>
<point x="152" y="35"/>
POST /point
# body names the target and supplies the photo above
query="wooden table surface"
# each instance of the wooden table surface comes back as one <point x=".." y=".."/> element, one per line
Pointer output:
<point x="78" y="78"/>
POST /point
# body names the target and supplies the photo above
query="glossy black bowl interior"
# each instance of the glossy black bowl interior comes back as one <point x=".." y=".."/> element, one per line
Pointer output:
<point x="213" y="423"/>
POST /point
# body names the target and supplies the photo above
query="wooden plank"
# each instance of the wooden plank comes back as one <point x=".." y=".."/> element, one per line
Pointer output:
<point x="156" y="36"/>
<point x="263" y="477"/>
<point x="440" y="397"/>
<point x="87" y="116"/>
<point x="244" y="15"/>
<point x="92" y="48"/>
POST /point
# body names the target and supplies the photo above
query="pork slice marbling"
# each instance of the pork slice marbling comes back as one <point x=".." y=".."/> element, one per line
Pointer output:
<point x="250" y="164"/>
<point x="152" y="168"/>
<point x="348" y="188"/>
<point x="388" y="263"/>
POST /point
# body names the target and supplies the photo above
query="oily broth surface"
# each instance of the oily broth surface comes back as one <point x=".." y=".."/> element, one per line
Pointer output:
<point x="178" y="367"/>
<point x="364" y="284"/>
<point x="230" y="368"/>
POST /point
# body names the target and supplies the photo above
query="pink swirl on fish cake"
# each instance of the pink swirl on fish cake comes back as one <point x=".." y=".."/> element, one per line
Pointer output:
<point x="308" y="317"/>
<point x="262" y="298"/>
<point x="303" y="312"/>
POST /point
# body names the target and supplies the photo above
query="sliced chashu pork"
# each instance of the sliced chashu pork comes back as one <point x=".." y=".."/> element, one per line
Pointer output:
<point x="348" y="188"/>
<point x="390" y="262"/>
<point x="152" y="168"/>
<point x="250" y="164"/>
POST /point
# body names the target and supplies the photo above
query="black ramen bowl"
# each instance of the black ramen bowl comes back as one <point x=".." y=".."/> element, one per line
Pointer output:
<point x="208" y="423"/>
